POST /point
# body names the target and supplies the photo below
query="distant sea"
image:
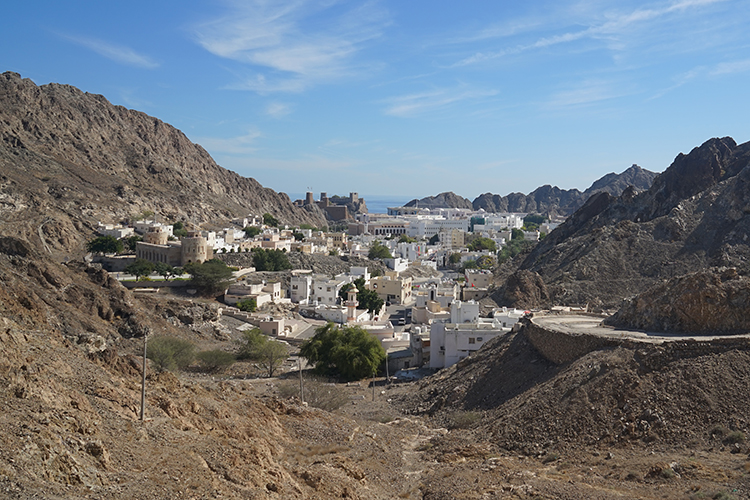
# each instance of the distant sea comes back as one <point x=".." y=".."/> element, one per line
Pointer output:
<point x="376" y="203"/>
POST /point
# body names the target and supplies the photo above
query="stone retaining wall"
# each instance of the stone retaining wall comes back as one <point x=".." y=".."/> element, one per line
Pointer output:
<point x="561" y="348"/>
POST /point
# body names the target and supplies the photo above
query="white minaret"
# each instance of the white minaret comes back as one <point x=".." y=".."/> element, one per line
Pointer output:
<point x="351" y="303"/>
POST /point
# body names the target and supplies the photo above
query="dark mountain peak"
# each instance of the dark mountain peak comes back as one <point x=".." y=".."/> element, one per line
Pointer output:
<point x="447" y="199"/>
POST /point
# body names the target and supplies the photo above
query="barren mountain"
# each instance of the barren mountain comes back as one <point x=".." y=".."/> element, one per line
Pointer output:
<point x="70" y="159"/>
<point x="443" y="200"/>
<point x="694" y="217"/>
<point x="546" y="200"/>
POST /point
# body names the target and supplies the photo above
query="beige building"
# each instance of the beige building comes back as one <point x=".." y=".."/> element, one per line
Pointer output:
<point x="156" y="247"/>
<point x="392" y="289"/>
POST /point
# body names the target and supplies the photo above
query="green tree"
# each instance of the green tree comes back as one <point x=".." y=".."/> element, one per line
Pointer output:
<point x="165" y="270"/>
<point x="513" y="248"/>
<point x="131" y="241"/>
<point x="270" y="220"/>
<point x="170" y="353"/>
<point x="479" y="244"/>
<point x="298" y="236"/>
<point x="454" y="258"/>
<point x="247" y="305"/>
<point x="140" y="268"/>
<point x="533" y="221"/>
<point x="485" y="262"/>
<point x="434" y="240"/>
<point x="406" y="239"/>
<point x="270" y="260"/>
<point x="368" y="299"/>
<point x="178" y="229"/>
<point x="215" y="360"/>
<point x="379" y="251"/>
<point x="209" y="277"/>
<point x="105" y="244"/>
<point x="269" y="354"/>
<point x="349" y="352"/>
<point x="251" y="231"/>
<point x="516" y="234"/>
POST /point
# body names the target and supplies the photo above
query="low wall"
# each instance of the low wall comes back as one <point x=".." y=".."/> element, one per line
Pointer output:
<point x="153" y="284"/>
<point x="561" y="347"/>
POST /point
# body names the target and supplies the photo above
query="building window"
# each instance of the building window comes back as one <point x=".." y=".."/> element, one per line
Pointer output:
<point x="472" y="340"/>
<point x="480" y="339"/>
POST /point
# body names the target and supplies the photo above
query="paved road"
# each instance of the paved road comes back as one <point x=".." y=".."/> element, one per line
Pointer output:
<point x="574" y="324"/>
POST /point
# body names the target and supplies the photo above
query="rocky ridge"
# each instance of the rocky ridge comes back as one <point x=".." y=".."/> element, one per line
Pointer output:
<point x="546" y="200"/>
<point x="693" y="217"/>
<point x="70" y="159"/>
<point x="711" y="301"/>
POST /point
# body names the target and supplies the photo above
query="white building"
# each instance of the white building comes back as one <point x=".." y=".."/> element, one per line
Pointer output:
<point x="114" y="231"/>
<point x="326" y="290"/>
<point x="453" y="341"/>
<point x="300" y="288"/>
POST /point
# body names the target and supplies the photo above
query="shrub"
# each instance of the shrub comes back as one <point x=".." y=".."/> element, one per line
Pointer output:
<point x="170" y="353"/>
<point x="735" y="437"/>
<point x="215" y="360"/>
<point x="247" y="305"/>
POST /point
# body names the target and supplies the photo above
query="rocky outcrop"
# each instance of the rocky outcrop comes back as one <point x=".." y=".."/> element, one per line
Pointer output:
<point x="443" y="200"/>
<point x="524" y="290"/>
<point x="70" y="159"/>
<point x="713" y="301"/>
<point x="694" y="217"/>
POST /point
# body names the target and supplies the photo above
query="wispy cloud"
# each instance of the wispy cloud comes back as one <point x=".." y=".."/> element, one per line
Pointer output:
<point x="241" y="145"/>
<point x="613" y="27"/>
<point x="719" y="70"/>
<point x="414" y="104"/>
<point x="587" y="92"/>
<point x="301" y="42"/>
<point x="115" y="52"/>
<point x="278" y="109"/>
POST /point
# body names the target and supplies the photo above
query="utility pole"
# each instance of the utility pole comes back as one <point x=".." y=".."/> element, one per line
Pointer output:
<point x="301" y="392"/>
<point x="143" y="379"/>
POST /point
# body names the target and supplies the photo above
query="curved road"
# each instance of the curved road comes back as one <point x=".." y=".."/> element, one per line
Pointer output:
<point x="576" y="324"/>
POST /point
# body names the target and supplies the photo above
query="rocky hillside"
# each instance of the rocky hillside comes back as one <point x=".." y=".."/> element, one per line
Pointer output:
<point x="547" y="200"/>
<point x="695" y="216"/>
<point x="443" y="200"/>
<point x="70" y="159"/>
<point x="712" y="301"/>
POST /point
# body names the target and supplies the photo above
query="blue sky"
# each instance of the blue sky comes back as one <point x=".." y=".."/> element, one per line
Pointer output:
<point x="408" y="98"/>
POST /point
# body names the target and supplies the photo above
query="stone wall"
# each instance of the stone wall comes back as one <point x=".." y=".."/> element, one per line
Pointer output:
<point x="561" y="348"/>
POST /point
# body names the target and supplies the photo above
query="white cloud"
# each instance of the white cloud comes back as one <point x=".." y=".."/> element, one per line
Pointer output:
<point x="118" y="53"/>
<point x="414" y="104"/>
<point x="719" y="70"/>
<point x="278" y="109"/>
<point x="234" y="145"/>
<point x="587" y="92"/>
<point x="301" y="42"/>
<point x="614" y="28"/>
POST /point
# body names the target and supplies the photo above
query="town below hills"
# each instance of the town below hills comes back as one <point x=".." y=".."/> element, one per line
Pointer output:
<point x="537" y="412"/>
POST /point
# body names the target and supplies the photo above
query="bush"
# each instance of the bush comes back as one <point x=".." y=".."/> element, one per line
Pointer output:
<point x="735" y="437"/>
<point x="267" y="353"/>
<point x="216" y="360"/>
<point x="170" y="353"/>
<point x="247" y="305"/>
